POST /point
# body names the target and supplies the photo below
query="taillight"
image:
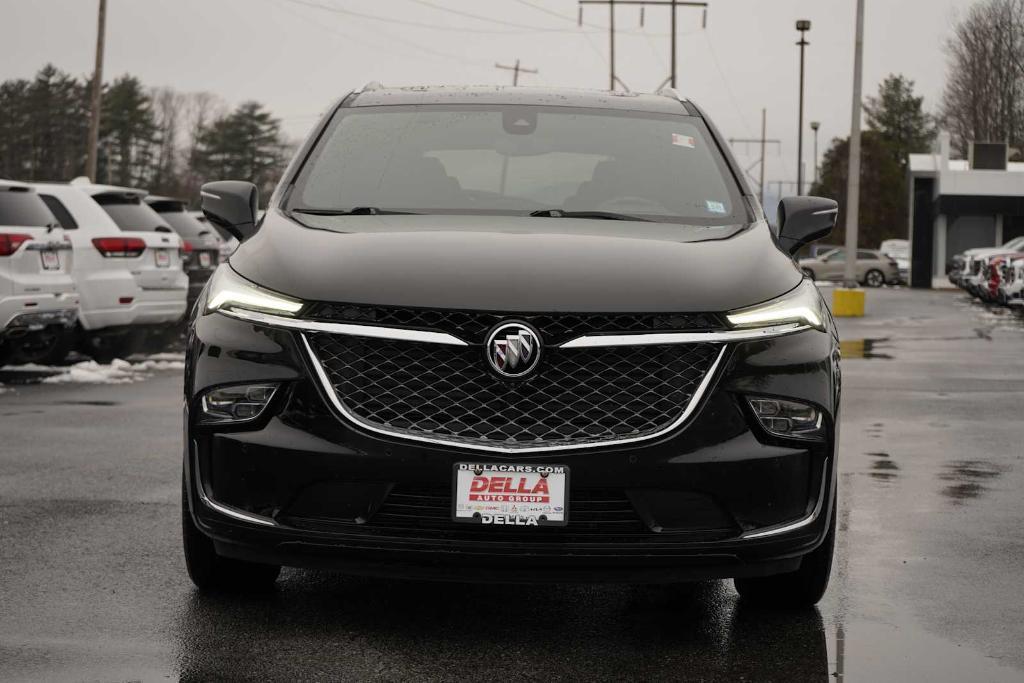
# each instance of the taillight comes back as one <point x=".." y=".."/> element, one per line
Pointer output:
<point x="10" y="243"/>
<point x="119" y="246"/>
<point x="186" y="249"/>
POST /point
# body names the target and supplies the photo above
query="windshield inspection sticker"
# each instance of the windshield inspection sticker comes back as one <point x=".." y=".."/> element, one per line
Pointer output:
<point x="684" y="141"/>
<point x="714" y="207"/>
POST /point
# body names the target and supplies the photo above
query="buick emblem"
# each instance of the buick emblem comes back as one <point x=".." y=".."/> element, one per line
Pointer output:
<point x="513" y="349"/>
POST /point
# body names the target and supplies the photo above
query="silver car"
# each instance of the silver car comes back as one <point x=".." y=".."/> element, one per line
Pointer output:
<point x="873" y="268"/>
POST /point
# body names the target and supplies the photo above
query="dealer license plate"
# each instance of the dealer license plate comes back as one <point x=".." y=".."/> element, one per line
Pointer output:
<point x="163" y="258"/>
<point x="505" y="494"/>
<point x="51" y="261"/>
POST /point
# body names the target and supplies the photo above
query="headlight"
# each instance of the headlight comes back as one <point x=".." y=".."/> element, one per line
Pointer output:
<point x="229" y="291"/>
<point x="802" y="304"/>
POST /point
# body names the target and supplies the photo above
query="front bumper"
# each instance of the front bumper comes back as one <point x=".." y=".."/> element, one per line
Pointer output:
<point x="717" y="497"/>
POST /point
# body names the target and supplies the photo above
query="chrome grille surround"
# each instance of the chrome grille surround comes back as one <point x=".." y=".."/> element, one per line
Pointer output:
<point x="583" y="397"/>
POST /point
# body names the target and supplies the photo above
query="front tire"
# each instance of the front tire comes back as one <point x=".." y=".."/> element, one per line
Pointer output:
<point x="213" y="573"/>
<point x="802" y="588"/>
<point x="874" y="278"/>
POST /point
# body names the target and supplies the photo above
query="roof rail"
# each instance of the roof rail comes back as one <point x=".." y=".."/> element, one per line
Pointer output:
<point x="372" y="85"/>
<point x="671" y="92"/>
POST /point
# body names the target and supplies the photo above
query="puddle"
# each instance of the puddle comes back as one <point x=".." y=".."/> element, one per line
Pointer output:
<point x="968" y="479"/>
<point x="882" y="467"/>
<point x="863" y="348"/>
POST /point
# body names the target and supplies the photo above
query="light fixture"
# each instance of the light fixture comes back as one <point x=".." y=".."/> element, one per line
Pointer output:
<point x="236" y="404"/>
<point x="802" y="305"/>
<point x="790" y="419"/>
<point x="230" y="291"/>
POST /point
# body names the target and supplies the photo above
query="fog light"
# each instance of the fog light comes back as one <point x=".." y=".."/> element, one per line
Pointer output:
<point x="788" y="418"/>
<point x="238" y="403"/>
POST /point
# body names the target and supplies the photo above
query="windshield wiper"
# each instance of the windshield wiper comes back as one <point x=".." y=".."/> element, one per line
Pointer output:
<point x="355" y="211"/>
<point x="606" y="215"/>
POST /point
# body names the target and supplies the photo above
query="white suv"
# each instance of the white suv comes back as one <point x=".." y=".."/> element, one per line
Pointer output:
<point x="38" y="302"/>
<point x="128" y="267"/>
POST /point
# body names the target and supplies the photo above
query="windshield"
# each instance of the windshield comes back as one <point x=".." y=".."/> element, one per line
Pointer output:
<point x="24" y="209"/>
<point x="181" y="220"/>
<point x="514" y="160"/>
<point x="130" y="213"/>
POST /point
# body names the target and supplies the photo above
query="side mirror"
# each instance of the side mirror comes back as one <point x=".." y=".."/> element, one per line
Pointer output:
<point x="231" y="205"/>
<point x="803" y="220"/>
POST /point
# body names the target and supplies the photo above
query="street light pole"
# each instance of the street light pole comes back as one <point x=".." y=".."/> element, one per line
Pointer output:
<point x="802" y="25"/>
<point x="97" y="90"/>
<point x="853" y="176"/>
<point x="815" y="126"/>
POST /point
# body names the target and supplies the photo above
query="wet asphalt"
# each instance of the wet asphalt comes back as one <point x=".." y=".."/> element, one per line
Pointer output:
<point x="926" y="585"/>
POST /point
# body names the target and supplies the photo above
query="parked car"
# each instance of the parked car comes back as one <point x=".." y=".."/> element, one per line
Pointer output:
<point x="128" y="267"/>
<point x="38" y="301"/>
<point x="967" y="264"/>
<point x="873" y="268"/>
<point x="1011" y="289"/>
<point x="200" y="243"/>
<point x="441" y="361"/>
<point x="228" y="243"/>
<point x="993" y="274"/>
<point x="899" y="251"/>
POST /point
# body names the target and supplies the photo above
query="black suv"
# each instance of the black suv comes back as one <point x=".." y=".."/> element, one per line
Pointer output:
<point x="513" y="334"/>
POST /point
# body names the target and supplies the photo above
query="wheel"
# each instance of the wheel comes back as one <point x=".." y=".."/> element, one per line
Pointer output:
<point x="58" y="354"/>
<point x="35" y="347"/>
<point x="211" y="572"/>
<point x="808" y="273"/>
<point x="802" y="588"/>
<point x="104" y="348"/>
<point x="874" y="278"/>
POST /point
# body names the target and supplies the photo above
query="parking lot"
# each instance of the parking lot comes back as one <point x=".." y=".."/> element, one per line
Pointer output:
<point x="925" y="587"/>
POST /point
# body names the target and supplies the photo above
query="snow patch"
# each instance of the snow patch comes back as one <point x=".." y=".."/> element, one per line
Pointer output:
<point x="90" y="372"/>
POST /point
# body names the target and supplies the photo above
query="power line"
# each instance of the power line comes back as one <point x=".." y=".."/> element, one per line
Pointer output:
<point x="421" y="24"/>
<point x="478" y="17"/>
<point x="516" y="69"/>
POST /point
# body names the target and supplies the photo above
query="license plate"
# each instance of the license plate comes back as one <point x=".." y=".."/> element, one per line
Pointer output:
<point x="204" y="259"/>
<point x="51" y="261"/>
<point x="163" y="258"/>
<point x="503" y="494"/>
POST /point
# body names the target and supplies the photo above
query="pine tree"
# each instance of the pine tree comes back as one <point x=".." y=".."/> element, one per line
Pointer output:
<point x="900" y="118"/>
<point x="244" y="145"/>
<point x="128" y="134"/>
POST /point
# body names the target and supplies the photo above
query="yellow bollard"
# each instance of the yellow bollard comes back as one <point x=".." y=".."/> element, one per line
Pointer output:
<point x="848" y="303"/>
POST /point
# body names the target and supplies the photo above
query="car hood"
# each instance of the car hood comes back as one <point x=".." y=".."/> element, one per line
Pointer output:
<point x="504" y="263"/>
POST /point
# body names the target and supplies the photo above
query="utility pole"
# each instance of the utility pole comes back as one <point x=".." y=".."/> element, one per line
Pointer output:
<point x="515" y="70"/>
<point x="815" y="125"/>
<point x="802" y="25"/>
<point x="97" y="90"/>
<point x="763" y="140"/>
<point x="673" y="4"/>
<point x="853" y="175"/>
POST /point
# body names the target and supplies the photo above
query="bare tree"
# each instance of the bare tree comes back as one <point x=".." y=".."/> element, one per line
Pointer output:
<point x="200" y="110"/>
<point x="168" y="105"/>
<point x="984" y="96"/>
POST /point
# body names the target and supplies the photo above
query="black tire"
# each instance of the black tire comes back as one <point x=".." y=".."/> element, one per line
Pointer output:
<point x="809" y="273"/>
<point x="802" y="588"/>
<point x="34" y="347"/>
<point x="211" y="572"/>
<point x="104" y="348"/>
<point x="58" y="354"/>
<point x="874" y="278"/>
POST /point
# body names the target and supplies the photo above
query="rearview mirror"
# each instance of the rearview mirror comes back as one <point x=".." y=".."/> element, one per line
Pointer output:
<point x="803" y="220"/>
<point x="231" y="205"/>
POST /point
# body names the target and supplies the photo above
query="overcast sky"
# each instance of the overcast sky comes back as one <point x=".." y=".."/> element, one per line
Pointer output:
<point x="298" y="56"/>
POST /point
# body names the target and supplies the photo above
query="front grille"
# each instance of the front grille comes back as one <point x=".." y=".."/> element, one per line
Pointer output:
<point x="555" y="328"/>
<point x="575" y="397"/>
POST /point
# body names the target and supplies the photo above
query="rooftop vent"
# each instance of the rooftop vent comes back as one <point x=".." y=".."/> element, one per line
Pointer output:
<point x="988" y="156"/>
